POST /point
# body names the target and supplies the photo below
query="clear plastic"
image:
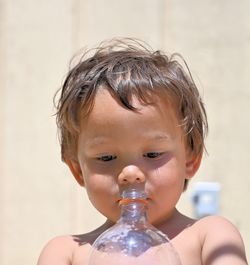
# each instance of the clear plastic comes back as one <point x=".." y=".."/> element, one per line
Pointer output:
<point x="132" y="240"/>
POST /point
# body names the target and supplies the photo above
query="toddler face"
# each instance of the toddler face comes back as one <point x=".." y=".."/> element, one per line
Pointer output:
<point x="149" y="143"/>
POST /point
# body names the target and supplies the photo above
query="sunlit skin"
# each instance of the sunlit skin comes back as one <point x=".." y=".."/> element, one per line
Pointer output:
<point x="117" y="148"/>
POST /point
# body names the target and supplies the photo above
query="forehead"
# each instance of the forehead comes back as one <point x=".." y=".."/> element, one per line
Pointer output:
<point x="103" y="97"/>
<point x="128" y="100"/>
<point x="108" y="111"/>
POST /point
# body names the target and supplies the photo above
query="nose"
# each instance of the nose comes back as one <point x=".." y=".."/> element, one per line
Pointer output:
<point x="131" y="175"/>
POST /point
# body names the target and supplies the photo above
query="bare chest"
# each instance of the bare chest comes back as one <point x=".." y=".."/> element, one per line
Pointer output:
<point x="188" y="247"/>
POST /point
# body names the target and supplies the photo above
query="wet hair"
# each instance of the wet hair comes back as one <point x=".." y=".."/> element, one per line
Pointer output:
<point x="126" y="68"/>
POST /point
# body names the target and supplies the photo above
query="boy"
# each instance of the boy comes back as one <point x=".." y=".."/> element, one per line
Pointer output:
<point x="130" y="116"/>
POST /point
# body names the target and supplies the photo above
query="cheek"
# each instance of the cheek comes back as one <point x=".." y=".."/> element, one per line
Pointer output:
<point x="103" y="194"/>
<point x="99" y="186"/>
<point x="170" y="176"/>
<point x="96" y="183"/>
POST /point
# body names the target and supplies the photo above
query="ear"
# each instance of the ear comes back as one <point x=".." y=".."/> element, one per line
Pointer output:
<point x="75" y="169"/>
<point x="192" y="165"/>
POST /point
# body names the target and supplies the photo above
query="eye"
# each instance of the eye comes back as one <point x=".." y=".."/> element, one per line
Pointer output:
<point x="153" y="154"/>
<point x="106" y="158"/>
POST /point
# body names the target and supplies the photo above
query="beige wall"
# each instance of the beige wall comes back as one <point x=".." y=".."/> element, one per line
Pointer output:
<point x="38" y="197"/>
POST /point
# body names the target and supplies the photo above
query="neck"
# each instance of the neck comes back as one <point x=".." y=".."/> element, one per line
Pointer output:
<point x="174" y="224"/>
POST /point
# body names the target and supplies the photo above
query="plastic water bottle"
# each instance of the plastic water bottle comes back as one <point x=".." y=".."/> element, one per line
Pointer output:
<point x="132" y="240"/>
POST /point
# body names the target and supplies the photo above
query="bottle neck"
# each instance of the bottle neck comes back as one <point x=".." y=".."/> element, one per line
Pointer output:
<point x="134" y="212"/>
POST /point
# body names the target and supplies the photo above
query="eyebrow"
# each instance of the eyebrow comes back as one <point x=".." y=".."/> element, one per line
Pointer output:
<point x="158" y="136"/>
<point x="99" y="140"/>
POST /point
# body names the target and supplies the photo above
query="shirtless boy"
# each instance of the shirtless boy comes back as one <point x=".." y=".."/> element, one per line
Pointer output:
<point x="128" y="114"/>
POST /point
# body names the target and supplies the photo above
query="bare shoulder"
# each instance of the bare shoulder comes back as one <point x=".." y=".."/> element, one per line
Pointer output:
<point x="221" y="241"/>
<point x="70" y="250"/>
<point x="58" y="251"/>
<point x="67" y="250"/>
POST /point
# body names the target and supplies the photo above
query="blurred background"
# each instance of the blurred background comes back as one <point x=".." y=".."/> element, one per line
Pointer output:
<point x="39" y="199"/>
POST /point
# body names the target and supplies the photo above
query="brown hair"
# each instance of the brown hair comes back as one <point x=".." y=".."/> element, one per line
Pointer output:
<point x="128" y="67"/>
